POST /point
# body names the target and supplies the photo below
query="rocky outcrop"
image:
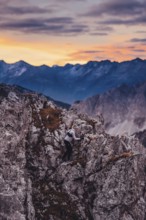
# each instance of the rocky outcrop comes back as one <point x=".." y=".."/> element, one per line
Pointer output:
<point x="105" y="179"/>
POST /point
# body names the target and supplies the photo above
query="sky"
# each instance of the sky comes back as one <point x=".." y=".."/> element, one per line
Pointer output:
<point x="56" y="32"/>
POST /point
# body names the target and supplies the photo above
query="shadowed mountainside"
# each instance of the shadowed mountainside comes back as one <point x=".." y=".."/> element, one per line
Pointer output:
<point x="74" y="82"/>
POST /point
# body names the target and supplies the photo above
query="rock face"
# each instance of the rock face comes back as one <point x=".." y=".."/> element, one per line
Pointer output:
<point x="105" y="178"/>
<point x="123" y="109"/>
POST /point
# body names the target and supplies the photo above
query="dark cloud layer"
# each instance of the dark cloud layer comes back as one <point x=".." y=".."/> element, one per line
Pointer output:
<point x="23" y="10"/>
<point x="125" y="12"/>
<point x="140" y="51"/>
<point x="68" y="1"/>
<point x="104" y="28"/>
<point x="91" y="51"/>
<point x="130" y="21"/>
<point x="15" y="7"/>
<point x="117" y="8"/>
<point x="56" y="25"/>
<point x="138" y="40"/>
<point x="99" y="34"/>
<point x="25" y="17"/>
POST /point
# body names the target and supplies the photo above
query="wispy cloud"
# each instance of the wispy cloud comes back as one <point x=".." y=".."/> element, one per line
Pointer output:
<point x="141" y="32"/>
<point x="138" y="50"/>
<point x="83" y="55"/>
<point x="102" y="30"/>
<point x="99" y="34"/>
<point x="90" y="51"/>
<point x="139" y="40"/>
<point x="68" y="1"/>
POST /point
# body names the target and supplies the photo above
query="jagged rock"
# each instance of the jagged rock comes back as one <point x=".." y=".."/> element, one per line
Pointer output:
<point x="105" y="179"/>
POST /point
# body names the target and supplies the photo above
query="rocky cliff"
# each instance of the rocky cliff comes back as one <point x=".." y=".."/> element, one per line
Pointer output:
<point x="123" y="109"/>
<point x="105" y="179"/>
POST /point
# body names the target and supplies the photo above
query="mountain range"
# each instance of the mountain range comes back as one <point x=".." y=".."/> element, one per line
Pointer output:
<point x="74" y="82"/>
<point x="115" y="90"/>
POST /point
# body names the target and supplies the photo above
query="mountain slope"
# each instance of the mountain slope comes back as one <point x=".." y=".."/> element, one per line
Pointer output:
<point x="106" y="178"/>
<point x="123" y="109"/>
<point x="74" y="82"/>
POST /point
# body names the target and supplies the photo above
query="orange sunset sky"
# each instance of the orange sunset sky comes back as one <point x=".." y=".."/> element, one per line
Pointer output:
<point x="72" y="31"/>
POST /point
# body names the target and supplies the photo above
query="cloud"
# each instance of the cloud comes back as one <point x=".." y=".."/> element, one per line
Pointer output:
<point x="139" y="20"/>
<point x="34" y="17"/>
<point x="117" y="8"/>
<point x="141" y="32"/>
<point x="138" y="50"/>
<point x="5" y="2"/>
<point x="68" y="1"/>
<point x="23" y="10"/>
<point x="64" y="20"/>
<point x="54" y="25"/>
<point x="137" y="40"/>
<point x="113" y="12"/>
<point x="117" y="22"/>
<point x="17" y="8"/>
<point x="99" y="34"/>
<point x="104" y="28"/>
<point x="90" y="51"/>
<point x="86" y="53"/>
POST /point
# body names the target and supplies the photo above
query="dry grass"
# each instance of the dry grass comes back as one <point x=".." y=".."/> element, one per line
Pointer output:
<point x="50" y="118"/>
<point x="123" y="155"/>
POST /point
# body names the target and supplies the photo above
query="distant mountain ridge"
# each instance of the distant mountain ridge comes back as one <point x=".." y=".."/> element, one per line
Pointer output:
<point x="74" y="82"/>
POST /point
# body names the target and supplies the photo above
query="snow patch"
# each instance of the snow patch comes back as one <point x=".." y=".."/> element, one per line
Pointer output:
<point x="20" y="72"/>
<point x="17" y="71"/>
